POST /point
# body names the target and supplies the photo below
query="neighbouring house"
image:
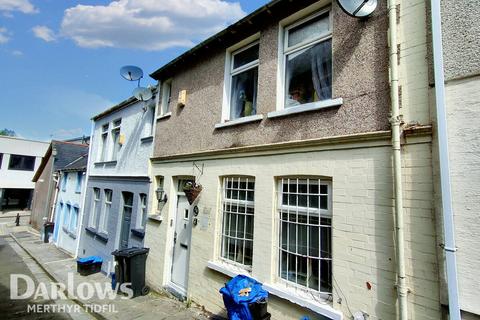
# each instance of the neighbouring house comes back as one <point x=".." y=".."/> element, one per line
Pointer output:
<point x="461" y="38"/>
<point x="19" y="158"/>
<point x="118" y="182"/>
<point x="284" y="119"/>
<point x="69" y="199"/>
<point x="58" y="155"/>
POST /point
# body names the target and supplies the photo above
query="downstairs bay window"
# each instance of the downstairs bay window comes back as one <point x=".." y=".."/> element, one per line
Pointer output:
<point x="305" y="233"/>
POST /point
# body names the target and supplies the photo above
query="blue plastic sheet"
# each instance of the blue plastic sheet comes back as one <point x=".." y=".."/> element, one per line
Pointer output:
<point x="90" y="259"/>
<point x="237" y="305"/>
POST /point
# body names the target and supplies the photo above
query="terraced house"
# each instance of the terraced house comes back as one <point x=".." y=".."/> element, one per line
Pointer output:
<point x="118" y="183"/>
<point x="310" y="134"/>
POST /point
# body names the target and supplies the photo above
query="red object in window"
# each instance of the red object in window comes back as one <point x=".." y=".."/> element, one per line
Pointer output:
<point x="369" y="286"/>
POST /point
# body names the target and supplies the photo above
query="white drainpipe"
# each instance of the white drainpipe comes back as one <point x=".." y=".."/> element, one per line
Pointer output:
<point x="448" y="225"/>
<point x="395" y="121"/>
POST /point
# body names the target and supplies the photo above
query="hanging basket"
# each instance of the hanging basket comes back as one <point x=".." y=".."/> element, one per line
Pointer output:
<point x="192" y="190"/>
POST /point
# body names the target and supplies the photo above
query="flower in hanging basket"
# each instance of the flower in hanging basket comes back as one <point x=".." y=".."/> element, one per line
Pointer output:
<point x="192" y="190"/>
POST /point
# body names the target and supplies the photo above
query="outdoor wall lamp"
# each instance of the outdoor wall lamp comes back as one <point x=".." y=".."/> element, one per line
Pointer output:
<point x="161" y="195"/>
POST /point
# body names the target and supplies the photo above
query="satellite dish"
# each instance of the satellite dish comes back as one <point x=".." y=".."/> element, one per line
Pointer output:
<point x="358" y="8"/>
<point x="131" y="73"/>
<point x="143" y="94"/>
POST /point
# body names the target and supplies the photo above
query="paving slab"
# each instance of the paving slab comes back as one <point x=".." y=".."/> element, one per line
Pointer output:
<point x="60" y="266"/>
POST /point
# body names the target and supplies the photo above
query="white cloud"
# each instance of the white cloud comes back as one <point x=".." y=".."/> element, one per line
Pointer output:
<point x="4" y="35"/>
<point x="24" y="6"/>
<point x="67" y="133"/>
<point x="44" y="33"/>
<point x="148" y="24"/>
<point x="17" y="53"/>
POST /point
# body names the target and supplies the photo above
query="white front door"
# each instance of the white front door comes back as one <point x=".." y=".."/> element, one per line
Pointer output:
<point x="181" y="244"/>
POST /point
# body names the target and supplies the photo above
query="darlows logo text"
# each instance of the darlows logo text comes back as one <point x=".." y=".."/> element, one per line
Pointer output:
<point x="71" y="290"/>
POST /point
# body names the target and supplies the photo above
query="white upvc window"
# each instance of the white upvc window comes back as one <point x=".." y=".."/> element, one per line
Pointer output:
<point x="104" y="142"/>
<point x="115" y="139"/>
<point x="166" y="97"/>
<point x="238" y="196"/>
<point x="305" y="233"/>
<point x="305" y="57"/>
<point x="66" y="215"/>
<point x="64" y="181"/>
<point x="103" y="226"/>
<point x="74" y="219"/>
<point x="92" y="219"/>
<point x="142" y="212"/>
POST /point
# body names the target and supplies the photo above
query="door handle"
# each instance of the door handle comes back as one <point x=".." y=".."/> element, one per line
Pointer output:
<point x="175" y="237"/>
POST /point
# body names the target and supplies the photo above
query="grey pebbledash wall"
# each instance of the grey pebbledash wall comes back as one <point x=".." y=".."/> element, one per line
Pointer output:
<point x="360" y="77"/>
<point x="93" y="244"/>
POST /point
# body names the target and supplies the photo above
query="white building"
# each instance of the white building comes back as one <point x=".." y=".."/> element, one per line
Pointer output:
<point x="118" y="180"/>
<point x="19" y="159"/>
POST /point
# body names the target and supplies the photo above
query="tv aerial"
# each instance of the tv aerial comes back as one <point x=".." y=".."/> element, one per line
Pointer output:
<point x="358" y="8"/>
<point x="134" y="73"/>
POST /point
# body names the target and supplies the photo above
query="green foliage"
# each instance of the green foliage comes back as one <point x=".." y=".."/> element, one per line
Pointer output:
<point x="7" y="132"/>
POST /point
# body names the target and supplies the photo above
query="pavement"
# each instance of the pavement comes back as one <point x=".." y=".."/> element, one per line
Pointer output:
<point x="58" y="266"/>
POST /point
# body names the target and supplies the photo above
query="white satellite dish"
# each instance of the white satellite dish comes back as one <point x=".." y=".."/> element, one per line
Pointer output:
<point x="358" y="8"/>
<point x="131" y="73"/>
<point x="143" y="94"/>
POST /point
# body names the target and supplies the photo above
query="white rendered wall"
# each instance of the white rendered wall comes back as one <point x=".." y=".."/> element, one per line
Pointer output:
<point x="18" y="179"/>
<point x="67" y="240"/>
<point x="134" y="154"/>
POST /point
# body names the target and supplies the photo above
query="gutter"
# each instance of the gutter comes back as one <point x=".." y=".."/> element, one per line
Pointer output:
<point x="396" y="120"/>
<point x="448" y="223"/>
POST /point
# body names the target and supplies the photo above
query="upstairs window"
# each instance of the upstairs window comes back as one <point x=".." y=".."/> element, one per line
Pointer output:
<point x="116" y="139"/>
<point x="166" y="97"/>
<point x="104" y="143"/>
<point x="237" y="228"/>
<point x="307" y="58"/>
<point x="78" y="187"/>
<point x="243" y="81"/>
<point x="19" y="162"/>
<point x="64" y="181"/>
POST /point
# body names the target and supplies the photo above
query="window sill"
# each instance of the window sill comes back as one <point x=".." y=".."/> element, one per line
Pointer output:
<point x="91" y="230"/>
<point x="106" y="163"/>
<point x="102" y="236"/>
<point x="139" y="233"/>
<point x="319" y="306"/>
<point x="164" y="116"/>
<point x="156" y="217"/>
<point x="146" y="139"/>
<point x="319" y="105"/>
<point x="227" y="269"/>
<point x="249" y="119"/>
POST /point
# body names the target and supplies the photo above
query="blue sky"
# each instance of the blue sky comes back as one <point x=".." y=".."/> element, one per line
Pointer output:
<point x="60" y="60"/>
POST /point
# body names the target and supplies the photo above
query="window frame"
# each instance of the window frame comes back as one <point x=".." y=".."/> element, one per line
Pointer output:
<point x="74" y="210"/>
<point x="115" y="133"/>
<point x="92" y="218"/>
<point x="79" y="182"/>
<point x="142" y="212"/>
<point x="104" y="142"/>
<point x="1" y="160"/>
<point x="164" y="105"/>
<point x="285" y="25"/>
<point x="64" y="181"/>
<point x="66" y="215"/>
<point x="227" y="87"/>
<point x="223" y="235"/>
<point x="22" y="161"/>
<point x="327" y="213"/>
<point x="106" y="210"/>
